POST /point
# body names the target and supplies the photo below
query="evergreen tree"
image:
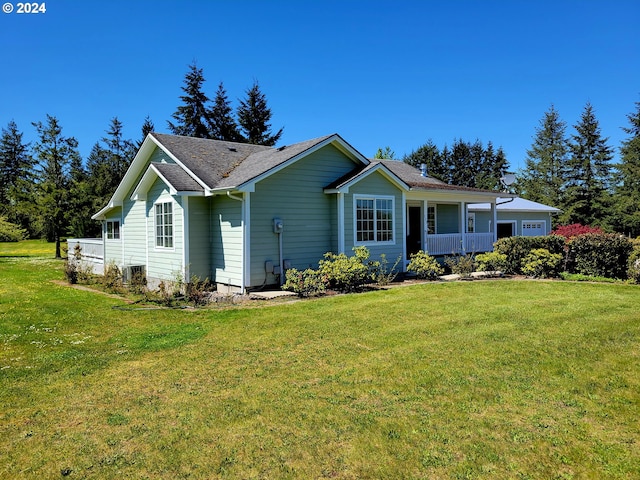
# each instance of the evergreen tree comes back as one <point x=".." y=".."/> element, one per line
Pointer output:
<point x="254" y="115"/>
<point x="106" y="165"/>
<point x="147" y="128"/>
<point x="192" y="117"/>
<point x="628" y="179"/>
<point x="588" y="178"/>
<point x="224" y="125"/>
<point x="54" y="154"/>
<point x="429" y="154"/>
<point x="80" y="206"/>
<point x="463" y="171"/>
<point x="385" y="153"/>
<point x="16" y="179"/>
<point x="543" y="178"/>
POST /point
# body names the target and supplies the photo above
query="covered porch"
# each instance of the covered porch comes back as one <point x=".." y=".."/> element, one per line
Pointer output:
<point x="444" y="227"/>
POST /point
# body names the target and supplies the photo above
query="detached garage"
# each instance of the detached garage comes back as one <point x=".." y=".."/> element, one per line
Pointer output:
<point x="515" y="216"/>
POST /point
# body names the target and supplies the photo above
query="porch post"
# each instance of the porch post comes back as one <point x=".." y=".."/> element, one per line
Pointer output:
<point x="494" y="221"/>
<point x="463" y="226"/>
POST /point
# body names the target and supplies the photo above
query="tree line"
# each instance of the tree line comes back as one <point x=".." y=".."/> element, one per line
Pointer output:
<point x="573" y="172"/>
<point x="48" y="191"/>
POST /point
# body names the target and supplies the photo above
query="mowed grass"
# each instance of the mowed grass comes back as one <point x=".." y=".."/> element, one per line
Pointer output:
<point x="495" y="379"/>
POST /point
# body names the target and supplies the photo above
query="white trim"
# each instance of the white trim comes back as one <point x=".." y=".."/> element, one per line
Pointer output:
<point x="340" y="144"/>
<point x="186" y="261"/>
<point x="405" y="227"/>
<point x="341" y="229"/>
<point x="388" y="174"/>
<point x="246" y="240"/>
<point x="161" y="201"/>
<point x="374" y="197"/>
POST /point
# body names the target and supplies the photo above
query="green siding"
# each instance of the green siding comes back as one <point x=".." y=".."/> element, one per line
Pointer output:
<point x="375" y="184"/>
<point x="164" y="263"/>
<point x="296" y="196"/>
<point x="113" y="248"/>
<point x="199" y="237"/>
<point x="447" y="218"/>
<point x="226" y="239"/>
<point x="483" y="219"/>
<point x="134" y="233"/>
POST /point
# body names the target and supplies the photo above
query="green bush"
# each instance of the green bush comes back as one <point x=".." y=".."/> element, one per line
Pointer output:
<point x="347" y="274"/>
<point x="424" y="265"/>
<point x="10" y="232"/>
<point x="197" y="291"/>
<point x="540" y="263"/>
<point x="306" y="283"/>
<point x="463" y="265"/>
<point x="633" y="265"/>
<point x="491" y="262"/>
<point x="600" y="255"/>
<point x="517" y="248"/>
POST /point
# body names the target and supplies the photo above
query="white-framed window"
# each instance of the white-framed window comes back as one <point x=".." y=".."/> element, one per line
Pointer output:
<point x="164" y="224"/>
<point x="113" y="229"/>
<point x="374" y="219"/>
<point x="471" y="222"/>
<point x="431" y="219"/>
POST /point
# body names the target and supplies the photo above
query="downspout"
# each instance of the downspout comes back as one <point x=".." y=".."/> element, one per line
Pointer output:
<point x="233" y="197"/>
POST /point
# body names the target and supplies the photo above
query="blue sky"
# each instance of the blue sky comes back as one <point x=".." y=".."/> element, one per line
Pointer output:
<point x="379" y="73"/>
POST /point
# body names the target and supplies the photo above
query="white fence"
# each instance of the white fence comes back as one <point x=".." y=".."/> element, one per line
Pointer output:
<point x="91" y="249"/>
<point x="452" y="243"/>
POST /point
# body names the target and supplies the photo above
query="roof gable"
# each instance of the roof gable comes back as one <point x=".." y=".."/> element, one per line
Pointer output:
<point x="173" y="175"/>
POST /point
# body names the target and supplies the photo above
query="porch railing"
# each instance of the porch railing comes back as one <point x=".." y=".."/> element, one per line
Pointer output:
<point x="448" y="244"/>
<point x="91" y="248"/>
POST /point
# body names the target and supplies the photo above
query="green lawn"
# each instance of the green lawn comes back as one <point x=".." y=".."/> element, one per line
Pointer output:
<point x="485" y="379"/>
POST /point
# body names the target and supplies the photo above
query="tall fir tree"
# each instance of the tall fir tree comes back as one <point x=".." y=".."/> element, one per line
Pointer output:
<point x="106" y="165"/>
<point x="146" y="129"/>
<point x="542" y="180"/>
<point x="80" y="204"/>
<point x="221" y="114"/>
<point x="254" y="115"/>
<point x="429" y="155"/>
<point x="16" y="179"/>
<point x="627" y="190"/>
<point x="193" y="117"/>
<point x="55" y="154"/>
<point x="588" y="181"/>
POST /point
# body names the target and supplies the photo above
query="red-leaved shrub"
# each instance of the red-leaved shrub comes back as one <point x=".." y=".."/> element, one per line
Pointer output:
<point x="575" y="229"/>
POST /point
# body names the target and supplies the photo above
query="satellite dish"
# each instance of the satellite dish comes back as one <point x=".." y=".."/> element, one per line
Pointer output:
<point x="508" y="179"/>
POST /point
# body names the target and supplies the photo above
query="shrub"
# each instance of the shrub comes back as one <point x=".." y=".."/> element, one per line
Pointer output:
<point x="463" y="265"/>
<point x="517" y="248"/>
<point x="306" y="283"/>
<point x="575" y="229"/>
<point x="112" y="278"/>
<point x="347" y="274"/>
<point x="600" y="255"/>
<point x="382" y="274"/>
<point x="491" y="262"/>
<point x="71" y="271"/>
<point x="424" y="265"/>
<point x="10" y="232"/>
<point x="540" y="263"/>
<point x="633" y="265"/>
<point x="198" y="291"/>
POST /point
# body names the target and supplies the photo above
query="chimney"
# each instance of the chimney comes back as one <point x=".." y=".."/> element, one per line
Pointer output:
<point x="423" y="169"/>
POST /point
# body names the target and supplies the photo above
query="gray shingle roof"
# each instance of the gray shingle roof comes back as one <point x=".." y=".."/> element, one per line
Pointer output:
<point x="178" y="178"/>
<point x="222" y="164"/>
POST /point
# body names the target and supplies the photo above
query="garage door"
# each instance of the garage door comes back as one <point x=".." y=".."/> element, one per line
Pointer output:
<point x="532" y="229"/>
